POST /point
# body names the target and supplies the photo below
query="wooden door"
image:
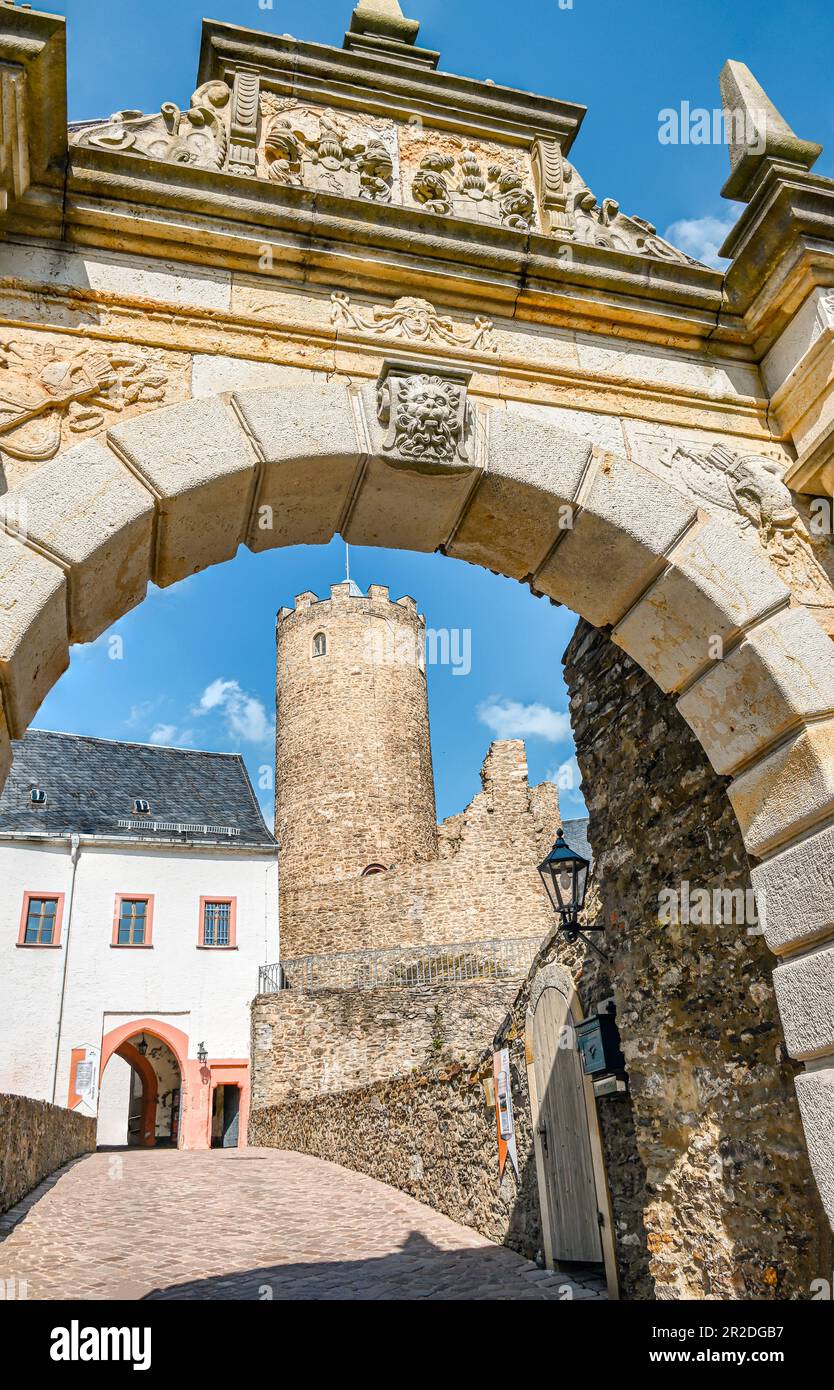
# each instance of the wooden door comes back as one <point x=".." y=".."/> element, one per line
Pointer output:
<point x="563" y="1133"/>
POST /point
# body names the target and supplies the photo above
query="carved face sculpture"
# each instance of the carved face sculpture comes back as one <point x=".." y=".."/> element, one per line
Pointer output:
<point x="430" y="404"/>
<point x="428" y="417"/>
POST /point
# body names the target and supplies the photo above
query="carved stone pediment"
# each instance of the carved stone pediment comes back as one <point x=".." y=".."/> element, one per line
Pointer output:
<point x="448" y="177"/>
<point x="198" y="136"/>
<point x="603" y="224"/>
<point x="427" y="413"/>
<point x="251" y="132"/>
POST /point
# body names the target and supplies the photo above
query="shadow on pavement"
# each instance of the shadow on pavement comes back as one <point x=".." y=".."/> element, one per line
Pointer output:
<point x="419" y="1270"/>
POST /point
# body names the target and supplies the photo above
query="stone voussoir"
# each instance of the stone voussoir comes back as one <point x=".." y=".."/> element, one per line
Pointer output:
<point x="795" y="893"/>
<point x="200" y="465"/>
<point x="307" y="442"/>
<point x="88" y="510"/>
<point x="34" y="640"/>
<point x="815" y="1090"/>
<point x="628" y="520"/>
<point x="805" y="992"/>
<point x="524" y="497"/>
<point x="780" y="673"/>
<point x="713" y="588"/>
<point x="788" y="791"/>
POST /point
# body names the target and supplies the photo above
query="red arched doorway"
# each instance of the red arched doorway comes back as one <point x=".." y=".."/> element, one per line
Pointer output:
<point x="162" y="1038"/>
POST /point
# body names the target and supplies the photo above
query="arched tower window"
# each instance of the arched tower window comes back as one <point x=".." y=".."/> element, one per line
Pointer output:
<point x="374" y="869"/>
<point x="319" y="644"/>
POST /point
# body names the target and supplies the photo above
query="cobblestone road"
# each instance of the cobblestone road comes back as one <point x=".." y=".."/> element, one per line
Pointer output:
<point x="250" y="1224"/>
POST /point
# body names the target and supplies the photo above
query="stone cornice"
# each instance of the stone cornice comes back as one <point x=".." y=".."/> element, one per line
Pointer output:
<point x="379" y="86"/>
<point x="187" y="213"/>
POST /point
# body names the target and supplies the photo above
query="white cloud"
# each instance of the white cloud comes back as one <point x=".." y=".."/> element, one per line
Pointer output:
<point x="246" y="717"/>
<point x="511" y="719"/>
<point x="163" y="733"/>
<point x="170" y="736"/>
<point x="701" y="237"/>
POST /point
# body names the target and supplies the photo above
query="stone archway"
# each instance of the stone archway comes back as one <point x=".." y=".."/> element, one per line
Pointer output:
<point x="172" y="492"/>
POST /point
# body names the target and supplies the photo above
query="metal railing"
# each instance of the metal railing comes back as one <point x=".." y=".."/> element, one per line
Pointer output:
<point x="403" y="966"/>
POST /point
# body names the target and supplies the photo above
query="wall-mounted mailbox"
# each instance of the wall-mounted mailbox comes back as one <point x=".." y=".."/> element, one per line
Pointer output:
<point x="598" y="1040"/>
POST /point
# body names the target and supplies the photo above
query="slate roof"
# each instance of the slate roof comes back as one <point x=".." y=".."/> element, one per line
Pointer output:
<point x="91" y="785"/>
<point x="576" y="835"/>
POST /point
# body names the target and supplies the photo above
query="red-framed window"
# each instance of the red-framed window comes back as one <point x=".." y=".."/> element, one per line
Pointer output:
<point x="41" y="919"/>
<point x="218" y="923"/>
<point x="133" y="920"/>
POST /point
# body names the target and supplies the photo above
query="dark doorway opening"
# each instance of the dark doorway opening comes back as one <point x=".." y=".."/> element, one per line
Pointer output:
<point x="225" y="1117"/>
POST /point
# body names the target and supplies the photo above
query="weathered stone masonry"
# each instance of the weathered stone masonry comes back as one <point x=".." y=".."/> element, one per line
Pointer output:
<point x="482" y="886"/>
<point x="326" y="1042"/>
<point x="352" y="734"/>
<point x="731" y="1209"/>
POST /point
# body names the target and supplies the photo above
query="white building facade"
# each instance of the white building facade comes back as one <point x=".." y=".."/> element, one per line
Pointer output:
<point x="138" y="898"/>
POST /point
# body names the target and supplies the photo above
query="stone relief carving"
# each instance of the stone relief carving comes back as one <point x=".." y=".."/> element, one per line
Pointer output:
<point x="54" y="393"/>
<point x="258" y="134"/>
<point x="427" y="413"/>
<point x="750" y="488"/>
<point x="198" y="136"/>
<point x="465" y="185"/>
<point x="323" y="150"/>
<point x="414" y="321"/>
<point x="595" y="224"/>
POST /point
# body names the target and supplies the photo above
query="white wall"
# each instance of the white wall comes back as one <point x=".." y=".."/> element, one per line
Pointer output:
<point x="204" y="993"/>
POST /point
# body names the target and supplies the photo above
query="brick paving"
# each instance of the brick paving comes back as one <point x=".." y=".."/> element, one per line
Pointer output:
<point x="251" y="1224"/>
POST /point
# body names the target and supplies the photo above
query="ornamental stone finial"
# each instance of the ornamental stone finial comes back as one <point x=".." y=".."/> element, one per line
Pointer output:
<point x="383" y="17"/>
<point x="379" y="27"/>
<point x="757" y="132"/>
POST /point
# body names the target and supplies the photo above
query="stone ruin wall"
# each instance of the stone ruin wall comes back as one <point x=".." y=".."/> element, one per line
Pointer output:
<point x="711" y="1190"/>
<point x="484" y="885"/>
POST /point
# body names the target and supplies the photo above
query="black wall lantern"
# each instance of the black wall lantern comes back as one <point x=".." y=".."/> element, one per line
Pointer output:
<point x="565" y="876"/>
<point x="202" y="1055"/>
<point x="142" y="1045"/>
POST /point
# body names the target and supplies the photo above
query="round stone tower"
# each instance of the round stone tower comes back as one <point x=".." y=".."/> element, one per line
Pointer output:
<point x="354" y="790"/>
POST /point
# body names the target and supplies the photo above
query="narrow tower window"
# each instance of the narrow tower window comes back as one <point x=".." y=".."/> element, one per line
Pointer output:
<point x="319" y="644"/>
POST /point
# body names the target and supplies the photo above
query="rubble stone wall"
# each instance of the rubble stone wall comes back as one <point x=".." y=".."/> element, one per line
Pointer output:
<point x="729" y="1203"/>
<point x="324" y="1042"/>
<point x="35" y="1139"/>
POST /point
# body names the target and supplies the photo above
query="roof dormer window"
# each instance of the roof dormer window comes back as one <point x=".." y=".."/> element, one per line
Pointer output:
<point x="38" y="796"/>
<point x="141" y="807"/>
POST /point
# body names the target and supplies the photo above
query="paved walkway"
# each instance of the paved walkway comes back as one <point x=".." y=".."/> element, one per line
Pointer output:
<point x="250" y="1224"/>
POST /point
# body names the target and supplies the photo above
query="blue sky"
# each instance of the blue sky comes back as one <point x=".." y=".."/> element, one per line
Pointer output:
<point x="195" y="664"/>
